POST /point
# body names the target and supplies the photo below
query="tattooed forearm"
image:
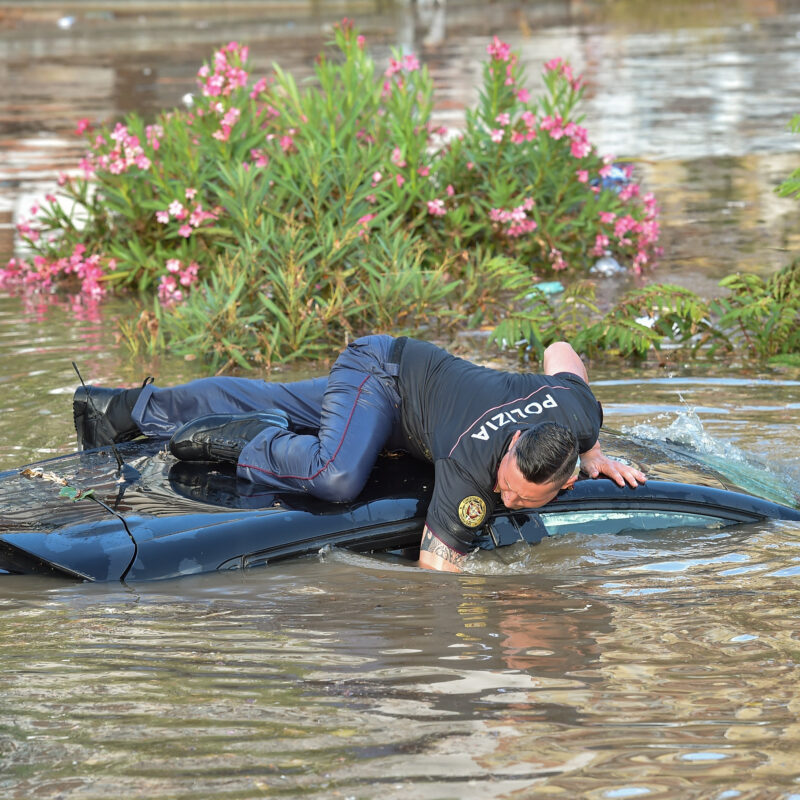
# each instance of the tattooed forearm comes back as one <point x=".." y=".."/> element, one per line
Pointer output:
<point x="435" y="554"/>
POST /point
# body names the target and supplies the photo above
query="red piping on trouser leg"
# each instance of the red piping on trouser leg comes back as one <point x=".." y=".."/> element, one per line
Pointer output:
<point x="329" y="461"/>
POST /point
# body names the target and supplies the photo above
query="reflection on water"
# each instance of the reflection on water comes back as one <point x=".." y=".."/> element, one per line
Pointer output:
<point x="668" y="665"/>
<point x="591" y="665"/>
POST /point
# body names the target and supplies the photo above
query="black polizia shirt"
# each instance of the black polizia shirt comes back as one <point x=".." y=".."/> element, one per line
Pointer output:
<point x="462" y="416"/>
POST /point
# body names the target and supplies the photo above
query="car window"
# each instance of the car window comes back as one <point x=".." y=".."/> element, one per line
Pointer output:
<point x="607" y="521"/>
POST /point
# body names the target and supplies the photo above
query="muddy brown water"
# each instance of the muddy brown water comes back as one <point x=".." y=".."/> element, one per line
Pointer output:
<point x="590" y="666"/>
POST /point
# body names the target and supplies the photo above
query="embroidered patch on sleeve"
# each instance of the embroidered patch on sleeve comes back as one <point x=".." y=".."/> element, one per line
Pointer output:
<point x="472" y="511"/>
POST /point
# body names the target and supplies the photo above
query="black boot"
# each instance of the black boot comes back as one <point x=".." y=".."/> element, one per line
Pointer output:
<point x="103" y="415"/>
<point x="222" y="437"/>
<point x="205" y="483"/>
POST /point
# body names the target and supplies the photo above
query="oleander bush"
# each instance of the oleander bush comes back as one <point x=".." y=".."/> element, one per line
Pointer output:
<point x="272" y="221"/>
<point x="756" y="319"/>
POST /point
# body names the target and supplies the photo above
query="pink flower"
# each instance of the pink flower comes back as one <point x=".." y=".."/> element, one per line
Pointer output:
<point x="82" y="126"/>
<point x="360" y="41"/>
<point x="400" y="180"/>
<point x="231" y="117"/>
<point x="376" y="178"/>
<point x="639" y="261"/>
<point x="499" y="50"/>
<point x="523" y="95"/>
<point x="198" y="216"/>
<point x="189" y="275"/>
<point x="497" y="135"/>
<point x="153" y="132"/>
<point x="553" y="65"/>
<point x="168" y="291"/>
<point x="185" y="230"/>
<point x="583" y="175"/>
<point x="517" y="137"/>
<point x="607" y="217"/>
<point x="258" y="87"/>
<point x="223" y="134"/>
<point x="521" y="227"/>
<point x="580" y="149"/>
<point x="553" y="125"/>
<point x="424" y="171"/>
<point x="363" y="136"/>
<point x="436" y="208"/>
<point x="503" y="119"/>
<point x="450" y="190"/>
<point x="557" y="259"/>
<point x="410" y="63"/>
<point x="176" y="209"/>
<point x="364" y="223"/>
<point x="600" y="244"/>
<point x="394" y="67"/>
<point x="173" y="265"/>
<point x="397" y="157"/>
<point x="162" y="217"/>
<point x="190" y="194"/>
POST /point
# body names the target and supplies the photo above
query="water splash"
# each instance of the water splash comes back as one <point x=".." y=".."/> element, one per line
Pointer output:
<point x="686" y="430"/>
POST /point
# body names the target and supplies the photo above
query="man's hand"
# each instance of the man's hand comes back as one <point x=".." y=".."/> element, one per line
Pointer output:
<point x="435" y="554"/>
<point x="594" y="463"/>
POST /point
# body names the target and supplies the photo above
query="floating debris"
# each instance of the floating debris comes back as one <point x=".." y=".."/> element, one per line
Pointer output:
<point x="73" y="492"/>
<point x="607" y="266"/>
<point x="550" y="287"/>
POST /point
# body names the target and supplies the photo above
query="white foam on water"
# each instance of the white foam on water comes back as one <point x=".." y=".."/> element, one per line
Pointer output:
<point x="685" y="428"/>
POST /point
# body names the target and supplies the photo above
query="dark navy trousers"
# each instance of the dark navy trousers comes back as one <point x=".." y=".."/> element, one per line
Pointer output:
<point x="354" y="413"/>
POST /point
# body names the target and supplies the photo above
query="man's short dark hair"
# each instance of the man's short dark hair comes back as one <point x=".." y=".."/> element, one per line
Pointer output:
<point x="546" y="453"/>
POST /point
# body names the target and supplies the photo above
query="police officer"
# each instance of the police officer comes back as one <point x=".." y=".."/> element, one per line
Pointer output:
<point x="491" y="435"/>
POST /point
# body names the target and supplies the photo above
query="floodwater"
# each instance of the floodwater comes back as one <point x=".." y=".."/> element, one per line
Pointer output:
<point x="588" y="666"/>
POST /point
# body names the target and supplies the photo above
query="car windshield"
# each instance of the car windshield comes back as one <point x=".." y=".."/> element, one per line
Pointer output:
<point x="605" y="521"/>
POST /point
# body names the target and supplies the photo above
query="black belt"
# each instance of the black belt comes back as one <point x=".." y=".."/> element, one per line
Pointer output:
<point x="396" y="352"/>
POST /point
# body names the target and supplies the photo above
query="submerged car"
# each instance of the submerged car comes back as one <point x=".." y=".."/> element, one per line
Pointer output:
<point x="136" y="513"/>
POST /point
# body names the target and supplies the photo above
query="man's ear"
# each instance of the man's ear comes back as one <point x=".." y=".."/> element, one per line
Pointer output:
<point x="570" y="482"/>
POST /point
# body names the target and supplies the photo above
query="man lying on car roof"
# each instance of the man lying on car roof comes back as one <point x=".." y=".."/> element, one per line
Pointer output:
<point x="491" y="435"/>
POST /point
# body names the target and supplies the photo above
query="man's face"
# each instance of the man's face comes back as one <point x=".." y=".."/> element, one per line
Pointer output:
<point x="515" y="491"/>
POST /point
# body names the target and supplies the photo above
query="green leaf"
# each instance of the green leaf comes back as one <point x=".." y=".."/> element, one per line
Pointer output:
<point x="75" y="494"/>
